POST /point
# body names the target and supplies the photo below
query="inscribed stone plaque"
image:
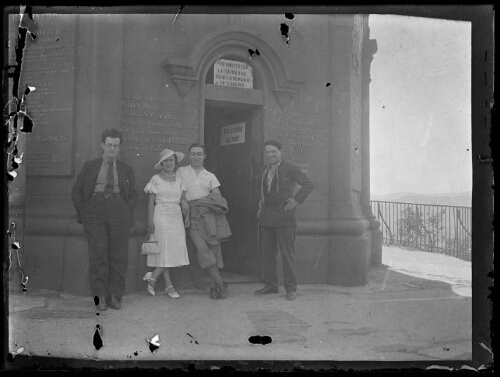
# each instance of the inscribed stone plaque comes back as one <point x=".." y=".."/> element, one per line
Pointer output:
<point x="233" y="73"/>
<point x="48" y="66"/>
<point x="299" y="134"/>
<point x="150" y="124"/>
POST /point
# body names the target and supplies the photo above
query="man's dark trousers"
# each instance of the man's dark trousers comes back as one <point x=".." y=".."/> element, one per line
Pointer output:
<point x="106" y="225"/>
<point x="283" y="238"/>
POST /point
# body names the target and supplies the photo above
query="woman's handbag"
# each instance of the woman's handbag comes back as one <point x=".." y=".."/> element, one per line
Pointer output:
<point x="149" y="246"/>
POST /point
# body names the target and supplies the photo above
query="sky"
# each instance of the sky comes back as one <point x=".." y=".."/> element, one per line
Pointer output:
<point x="420" y="129"/>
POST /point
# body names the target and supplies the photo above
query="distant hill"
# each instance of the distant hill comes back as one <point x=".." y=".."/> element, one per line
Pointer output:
<point x="463" y="199"/>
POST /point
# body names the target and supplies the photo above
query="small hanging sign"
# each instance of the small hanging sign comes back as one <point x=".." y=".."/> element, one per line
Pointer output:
<point x="232" y="134"/>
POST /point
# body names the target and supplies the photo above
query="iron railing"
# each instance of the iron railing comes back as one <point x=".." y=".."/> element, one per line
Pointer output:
<point x="435" y="228"/>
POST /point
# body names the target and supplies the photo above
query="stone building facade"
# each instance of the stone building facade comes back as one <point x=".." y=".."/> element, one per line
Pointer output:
<point x="229" y="81"/>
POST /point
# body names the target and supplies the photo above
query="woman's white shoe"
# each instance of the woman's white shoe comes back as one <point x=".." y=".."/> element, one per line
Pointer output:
<point x="171" y="292"/>
<point x="149" y="279"/>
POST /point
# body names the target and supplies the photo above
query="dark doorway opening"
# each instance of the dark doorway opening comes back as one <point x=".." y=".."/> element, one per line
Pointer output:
<point x="235" y="158"/>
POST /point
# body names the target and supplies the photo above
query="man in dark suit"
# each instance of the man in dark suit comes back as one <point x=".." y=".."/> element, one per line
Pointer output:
<point x="277" y="217"/>
<point x="104" y="196"/>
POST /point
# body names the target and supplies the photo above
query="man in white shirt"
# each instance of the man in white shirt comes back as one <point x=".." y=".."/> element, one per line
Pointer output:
<point x="200" y="183"/>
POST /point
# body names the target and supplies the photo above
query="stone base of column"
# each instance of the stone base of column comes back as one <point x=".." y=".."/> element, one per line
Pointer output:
<point x="376" y="247"/>
<point x="349" y="260"/>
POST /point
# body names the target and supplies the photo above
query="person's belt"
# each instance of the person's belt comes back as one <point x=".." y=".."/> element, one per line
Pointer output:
<point x="106" y="195"/>
<point x="274" y="209"/>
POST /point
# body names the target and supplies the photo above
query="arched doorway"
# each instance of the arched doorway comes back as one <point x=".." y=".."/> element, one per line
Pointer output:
<point x="233" y="134"/>
<point x="237" y="165"/>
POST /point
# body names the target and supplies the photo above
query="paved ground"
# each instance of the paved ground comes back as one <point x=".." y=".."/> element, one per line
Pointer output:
<point x="416" y="306"/>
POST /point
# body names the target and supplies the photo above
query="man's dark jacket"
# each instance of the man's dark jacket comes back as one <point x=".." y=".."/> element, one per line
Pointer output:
<point x="283" y="184"/>
<point x="85" y="183"/>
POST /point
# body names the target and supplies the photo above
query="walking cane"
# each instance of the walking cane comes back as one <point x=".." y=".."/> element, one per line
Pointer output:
<point x="259" y="261"/>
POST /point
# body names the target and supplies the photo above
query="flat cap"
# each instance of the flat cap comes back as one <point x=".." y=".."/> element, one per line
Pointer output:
<point x="274" y="143"/>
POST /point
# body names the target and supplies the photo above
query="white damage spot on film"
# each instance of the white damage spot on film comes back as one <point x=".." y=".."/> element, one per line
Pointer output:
<point x="154" y="343"/>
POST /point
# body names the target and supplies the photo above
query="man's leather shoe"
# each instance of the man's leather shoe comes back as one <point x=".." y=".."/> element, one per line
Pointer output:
<point x="214" y="293"/>
<point x="223" y="290"/>
<point x="265" y="291"/>
<point x="100" y="303"/>
<point x="114" y="303"/>
<point x="290" y="296"/>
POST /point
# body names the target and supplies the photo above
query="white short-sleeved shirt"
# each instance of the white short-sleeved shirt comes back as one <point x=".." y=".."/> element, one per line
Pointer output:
<point x="197" y="186"/>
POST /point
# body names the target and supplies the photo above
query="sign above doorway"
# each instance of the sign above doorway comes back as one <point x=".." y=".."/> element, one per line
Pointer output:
<point x="232" y="134"/>
<point x="233" y="73"/>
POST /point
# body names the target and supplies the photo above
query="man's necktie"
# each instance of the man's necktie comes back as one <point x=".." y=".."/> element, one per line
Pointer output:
<point x="270" y="175"/>
<point x="110" y="181"/>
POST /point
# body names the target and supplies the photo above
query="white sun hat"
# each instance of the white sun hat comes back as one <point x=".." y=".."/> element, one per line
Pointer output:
<point x="166" y="153"/>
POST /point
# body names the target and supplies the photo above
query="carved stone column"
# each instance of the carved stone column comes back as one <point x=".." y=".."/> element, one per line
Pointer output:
<point x="349" y="245"/>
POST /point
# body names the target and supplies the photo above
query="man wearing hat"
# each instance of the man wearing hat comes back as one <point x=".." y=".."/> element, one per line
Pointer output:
<point x="277" y="217"/>
<point x="104" y="196"/>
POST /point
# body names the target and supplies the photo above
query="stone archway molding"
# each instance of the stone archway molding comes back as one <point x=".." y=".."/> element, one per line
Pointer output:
<point x="186" y="72"/>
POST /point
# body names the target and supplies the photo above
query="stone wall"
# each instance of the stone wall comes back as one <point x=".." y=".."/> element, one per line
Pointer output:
<point x="146" y="76"/>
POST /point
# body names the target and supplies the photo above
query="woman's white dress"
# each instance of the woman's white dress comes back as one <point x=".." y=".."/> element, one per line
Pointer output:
<point x="169" y="224"/>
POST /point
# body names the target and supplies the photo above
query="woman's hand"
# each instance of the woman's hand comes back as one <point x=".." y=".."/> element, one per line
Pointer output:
<point x="187" y="222"/>
<point x="185" y="208"/>
<point x="151" y="226"/>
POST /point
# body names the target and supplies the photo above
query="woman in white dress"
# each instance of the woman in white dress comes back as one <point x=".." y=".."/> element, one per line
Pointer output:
<point x="165" y="222"/>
